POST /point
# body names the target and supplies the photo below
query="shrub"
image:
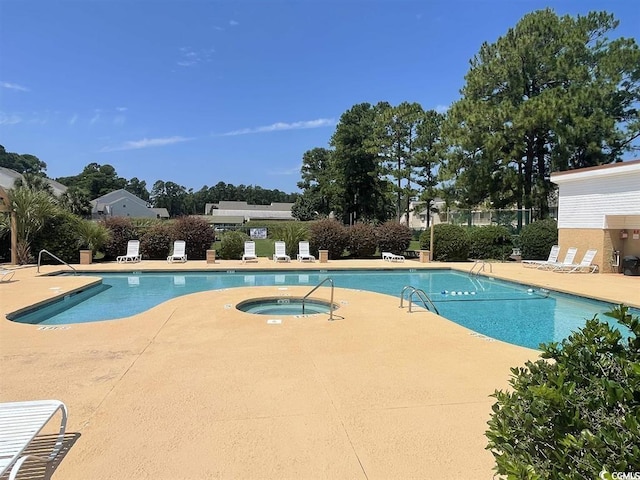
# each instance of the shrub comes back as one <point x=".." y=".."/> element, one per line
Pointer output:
<point x="362" y="240"/>
<point x="232" y="245"/>
<point x="328" y="234"/>
<point x="292" y="233"/>
<point x="59" y="237"/>
<point x="576" y="413"/>
<point x="91" y="235"/>
<point x="393" y="237"/>
<point x="491" y="241"/>
<point x="197" y="233"/>
<point x="451" y="243"/>
<point x="155" y="243"/>
<point x="537" y="238"/>
<point x="121" y="231"/>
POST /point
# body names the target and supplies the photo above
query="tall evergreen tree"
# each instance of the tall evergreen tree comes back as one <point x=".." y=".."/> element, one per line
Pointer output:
<point x="554" y="93"/>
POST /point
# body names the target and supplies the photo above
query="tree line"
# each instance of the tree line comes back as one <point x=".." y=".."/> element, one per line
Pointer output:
<point x="554" y="93"/>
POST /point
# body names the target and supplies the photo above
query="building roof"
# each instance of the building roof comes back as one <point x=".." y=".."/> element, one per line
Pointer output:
<point x="620" y="168"/>
<point x="9" y="177"/>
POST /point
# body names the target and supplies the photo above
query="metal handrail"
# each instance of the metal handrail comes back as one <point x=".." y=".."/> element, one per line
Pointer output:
<point x="330" y="280"/>
<point x="57" y="258"/>
<point x="481" y="264"/>
<point x="421" y="294"/>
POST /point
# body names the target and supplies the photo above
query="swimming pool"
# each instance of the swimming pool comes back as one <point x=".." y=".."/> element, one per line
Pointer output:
<point x="515" y="313"/>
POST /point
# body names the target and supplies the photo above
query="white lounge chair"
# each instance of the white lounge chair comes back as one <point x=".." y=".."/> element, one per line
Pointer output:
<point x="392" y="257"/>
<point x="6" y="275"/>
<point x="553" y="259"/>
<point x="568" y="260"/>
<point x="179" y="252"/>
<point x="281" y="252"/>
<point x="249" y="252"/>
<point x="303" y="253"/>
<point x="133" y="253"/>
<point x="584" y="266"/>
<point x="20" y="422"/>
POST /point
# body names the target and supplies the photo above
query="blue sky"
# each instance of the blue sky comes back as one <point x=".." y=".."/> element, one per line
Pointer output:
<point x="197" y="92"/>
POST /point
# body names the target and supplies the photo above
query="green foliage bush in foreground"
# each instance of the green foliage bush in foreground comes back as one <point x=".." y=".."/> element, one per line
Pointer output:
<point x="197" y="233"/>
<point x="451" y="243"/>
<point x="576" y="412"/>
<point x="537" y="238"/>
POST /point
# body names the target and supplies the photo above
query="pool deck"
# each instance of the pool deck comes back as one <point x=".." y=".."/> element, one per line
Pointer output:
<point x="195" y="389"/>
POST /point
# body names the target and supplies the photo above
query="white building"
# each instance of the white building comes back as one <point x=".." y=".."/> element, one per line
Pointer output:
<point x="599" y="207"/>
<point x="9" y="177"/>
<point x="225" y="212"/>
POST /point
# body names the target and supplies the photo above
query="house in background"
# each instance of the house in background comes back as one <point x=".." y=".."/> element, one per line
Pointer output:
<point x="121" y="203"/>
<point x="229" y="214"/>
<point x="599" y="207"/>
<point x="8" y="179"/>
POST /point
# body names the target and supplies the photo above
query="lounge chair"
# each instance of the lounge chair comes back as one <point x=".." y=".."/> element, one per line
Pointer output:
<point x="249" y="252"/>
<point x="179" y="254"/>
<point x="392" y="257"/>
<point x="6" y="275"/>
<point x="303" y="253"/>
<point x="568" y="260"/>
<point x="20" y="422"/>
<point x="133" y="253"/>
<point x="281" y="252"/>
<point x="553" y="259"/>
<point x="584" y="266"/>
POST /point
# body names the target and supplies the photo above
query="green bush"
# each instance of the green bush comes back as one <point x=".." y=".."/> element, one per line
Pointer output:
<point x="59" y="236"/>
<point x="537" y="238"/>
<point x="155" y="243"/>
<point x="393" y="237"/>
<point x="576" y="412"/>
<point x="121" y="231"/>
<point x="362" y="240"/>
<point x="91" y="235"/>
<point x="491" y="241"/>
<point x="328" y="234"/>
<point x="197" y="233"/>
<point x="451" y="243"/>
<point x="291" y="233"/>
<point x="232" y="245"/>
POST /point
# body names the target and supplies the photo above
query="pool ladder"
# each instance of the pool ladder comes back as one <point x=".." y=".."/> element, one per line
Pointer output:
<point x="330" y="280"/>
<point x="481" y="264"/>
<point x="421" y="295"/>
<point x="52" y="255"/>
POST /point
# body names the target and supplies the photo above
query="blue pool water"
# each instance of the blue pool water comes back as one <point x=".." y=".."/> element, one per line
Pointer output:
<point x="506" y="311"/>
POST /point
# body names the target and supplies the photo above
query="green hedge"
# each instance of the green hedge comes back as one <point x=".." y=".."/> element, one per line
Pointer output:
<point x="451" y="243"/>
<point x="537" y="238"/>
<point x="328" y="234"/>
<point x="490" y="242"/>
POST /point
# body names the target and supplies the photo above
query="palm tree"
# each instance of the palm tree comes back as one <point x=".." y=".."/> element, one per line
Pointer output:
<point x="32" y="209"/>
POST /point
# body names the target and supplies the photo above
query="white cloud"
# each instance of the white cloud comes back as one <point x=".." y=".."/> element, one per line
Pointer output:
<point x="280" y="126"/>
<point x="95" y="118"/>
<point x="119" y="120"/>
<point x="233" y="23"/>
<point x="286" y="171"/>
<point x="74" y="119"/>
<point x="190" y="57"/>
<point x="13" y="86"/>
<point x="121" y="109"/>
<point x="146" y="143"/>
<point x="441" y="108"/>
<point x="9" y="119"/>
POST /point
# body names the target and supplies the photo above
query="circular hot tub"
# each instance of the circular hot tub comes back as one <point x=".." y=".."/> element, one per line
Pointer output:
<point x="284" y="306"/>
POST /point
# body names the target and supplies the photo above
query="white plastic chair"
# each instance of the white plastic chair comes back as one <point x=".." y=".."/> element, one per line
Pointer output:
<point x="304" y="254"/>
<point x="553" y="259"/>
<point x="281" y="252"/>
<point x="179" y="252"/>
<point x="133" y="253"/>
<point x="249" y="252"/>
<point x="392" y="257"/>
<point x="6" y="275"/>
<point x="568" y="260"/>
<point x="584" y="266"/>
<point x="20" y="423"/>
